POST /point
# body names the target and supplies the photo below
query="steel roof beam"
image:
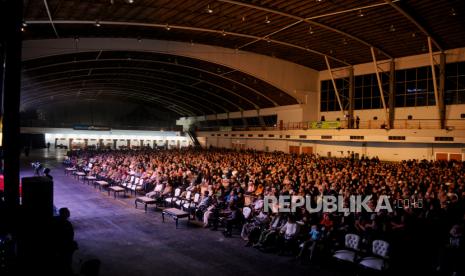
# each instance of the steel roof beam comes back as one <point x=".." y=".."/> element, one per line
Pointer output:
<point x="187" y="28"/>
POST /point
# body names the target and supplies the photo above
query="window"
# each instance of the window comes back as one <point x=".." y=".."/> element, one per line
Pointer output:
<point x="303" y="136"/>
<point x="396" y="138"/>
<point x="448" y="139"/>
<point x="249" y="135"/>
<point x="270" y="120"/>
<point x="455" y="83"/>
<point x="226" y="135"/>
<point x="326" y="137"/>
<point x="241" y="135"/>
<point x="252" y="121"/>
<point x="260" y="135"/>
<point x="288" y="136"/>
<point x="328" y="100"/>
<point x="357" y="137"/>
<point x="414" y="87"/>
<point x="270" y="135"/>
<point x="366" y="91"/>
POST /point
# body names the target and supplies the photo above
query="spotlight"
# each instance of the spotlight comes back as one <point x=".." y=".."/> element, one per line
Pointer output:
<point x="23" y="29"/>
<point x="167" y="27"/>
<point x="452" y="12"/>
<point x="139" y="39"/>
<point x="97" y="23"/>
<point x="360" y="13"/>
<point x="130" y="1"/>
<point x="267" y="20"/>
<point x="243" y="19"/>
<point x="24" y="24"/>
<point x="392" y="28"/>
<point x="208" y="9"/>
<point x="310" y="30"/>
<point x="223" y="33"/>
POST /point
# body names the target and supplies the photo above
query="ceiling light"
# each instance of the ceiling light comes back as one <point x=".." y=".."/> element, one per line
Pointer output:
<point x="452" y="12"/>
<point x="97" y="23"/>
<point x="139" y="39"/>
<point x="76" y="39"/>
<point x="331" y="52"/>
<point x="23" y="29"/>
<point x="344" y="41"/>
<point x="130" y="1"/>
<point x="268" y="40"/>
<point x="223" y="33"/>
<point x="267" y="20"/>
<point x="360" y="13"/>
<point x="167" y="27"/>
<point x="392" y="28"/>
<point x="208" y="9"/>
<point x="24" y="24"/>
<point x="310" y="30"/>
<point x="243" y="19"/>
<point x="414" y="34"/>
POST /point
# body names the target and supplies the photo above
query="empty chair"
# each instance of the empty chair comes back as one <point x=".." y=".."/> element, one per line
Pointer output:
<point x="128" y="182"/>
<point x="180" y="201"/>
<point x="139" y="186"/>
<point x="352" y="243"/>
<point x="132" y="186"/>
<point x="192" y="205"/>
<point x="380" y="251"/>
<point x="171" y="200"/>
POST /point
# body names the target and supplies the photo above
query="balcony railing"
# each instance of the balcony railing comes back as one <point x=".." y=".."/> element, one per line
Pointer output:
<point x="453" y="124"/>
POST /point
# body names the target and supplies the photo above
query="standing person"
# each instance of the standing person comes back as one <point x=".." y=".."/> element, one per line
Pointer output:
<point x="48" y="145"/>
<point x="63" y="242"/>
<point x="47" y="173"/>
<point x="357" y="122"/>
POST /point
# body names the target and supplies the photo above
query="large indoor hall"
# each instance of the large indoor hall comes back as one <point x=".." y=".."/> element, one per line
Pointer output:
<point x="232" y="137"/>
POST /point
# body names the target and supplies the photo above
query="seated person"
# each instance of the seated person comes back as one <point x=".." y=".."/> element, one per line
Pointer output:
<point x="268" y="234"/>
<point x="203" y="205"/>
<point x="233" y="219"/>
<point x="288" y="234"/>
<point x="313" y="236"/>
<point x="157" y="191"/>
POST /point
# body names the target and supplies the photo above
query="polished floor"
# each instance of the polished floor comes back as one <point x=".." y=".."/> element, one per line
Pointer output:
<point x="128" y="241"/>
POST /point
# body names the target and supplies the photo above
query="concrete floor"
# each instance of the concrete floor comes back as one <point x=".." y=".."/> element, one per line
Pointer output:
<point x="128" y="241"/>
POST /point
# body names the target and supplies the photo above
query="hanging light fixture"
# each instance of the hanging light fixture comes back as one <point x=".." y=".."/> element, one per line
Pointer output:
<point x="360" y="13"/>
<point x="208" y="9"/>
<point x="267" y="20"/>
<point x="310" y="30"/>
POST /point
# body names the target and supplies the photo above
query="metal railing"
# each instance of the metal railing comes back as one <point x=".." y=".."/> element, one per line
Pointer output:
<point x="452" y="124"/>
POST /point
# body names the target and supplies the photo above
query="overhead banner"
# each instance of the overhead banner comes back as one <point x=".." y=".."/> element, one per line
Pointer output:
<point x="325" y="124"/>
<point x="226" y="128"/>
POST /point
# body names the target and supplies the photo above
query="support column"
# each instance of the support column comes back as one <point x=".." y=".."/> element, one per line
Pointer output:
<point x="392" y="93"/>
<point x="351" y="97"/>
<point x="442" y="83"/>
<point x="11" y="21"/>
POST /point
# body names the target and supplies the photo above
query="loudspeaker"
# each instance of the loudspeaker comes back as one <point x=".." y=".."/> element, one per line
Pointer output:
<point x="37" y="196"/>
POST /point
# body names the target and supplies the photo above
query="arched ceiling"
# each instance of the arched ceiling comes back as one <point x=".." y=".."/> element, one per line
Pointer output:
<point x="299" y="31"/>
<point x="184" y="85"/>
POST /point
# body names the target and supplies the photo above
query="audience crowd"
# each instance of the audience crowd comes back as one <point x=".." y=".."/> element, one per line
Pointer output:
<point x="425" y="229"/>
